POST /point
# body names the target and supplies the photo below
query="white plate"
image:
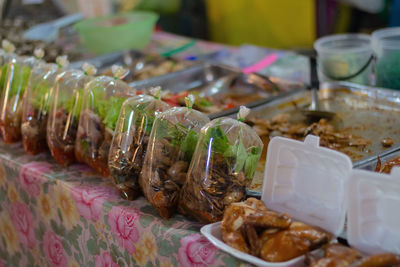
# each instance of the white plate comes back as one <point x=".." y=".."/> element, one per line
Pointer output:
<point x="213" y="233"/>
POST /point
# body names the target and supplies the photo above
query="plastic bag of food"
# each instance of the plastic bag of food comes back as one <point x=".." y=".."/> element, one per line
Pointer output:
<point x="6" y="55"/>
<point x="172" y="142"/>
<point x="130" y="140"/>
<point x="36" y="105"/>
<point x="101" y="104"/>
<point x="222" y="166"/>
<point x="16" y="81"/>
<point x="64" y="112"/>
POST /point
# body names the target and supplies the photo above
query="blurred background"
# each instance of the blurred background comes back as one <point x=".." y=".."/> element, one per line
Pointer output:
<point x="284" y="24"/>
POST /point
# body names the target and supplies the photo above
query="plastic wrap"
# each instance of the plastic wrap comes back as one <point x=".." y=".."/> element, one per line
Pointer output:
<point x="36" y="105"/>
<point x="6" y="55"/>
<point x="102" y="100"/>
<point x="222" y="166"/>
<point x="172" y="142"/>
<point x="130" y="141"/>
<point x="65" y="109"/>
<point x="16" y="81"/>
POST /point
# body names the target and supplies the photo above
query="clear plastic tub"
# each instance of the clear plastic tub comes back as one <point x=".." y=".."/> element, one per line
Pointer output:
<point x="386" y="45"/>
<point x="16" y="81"/>
<point x="345" y="57"/>
<point x="102" y="101"/>
<point x="131" y="139"/>
<point x="36" y="105"/>
<point x="65" y="109"/>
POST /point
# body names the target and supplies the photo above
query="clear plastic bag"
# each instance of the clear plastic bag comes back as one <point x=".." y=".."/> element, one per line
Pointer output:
<point x="16" y="81"/>
<point x="36" y="105"/>
<point x="101" y="104"/>
<point x="222" y="166"/>
<point x="130" y="141"/>
<point x="6" y="55"/>
<point x="171" y="146"/>
<point x="64" y="112"/>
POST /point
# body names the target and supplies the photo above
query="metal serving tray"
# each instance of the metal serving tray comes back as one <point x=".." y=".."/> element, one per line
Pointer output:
<point x="195" y="77"/>
<point x="105" y="61"/>
<point x="368" y="112"/>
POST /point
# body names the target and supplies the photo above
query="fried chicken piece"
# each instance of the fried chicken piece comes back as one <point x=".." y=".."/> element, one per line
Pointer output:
<point x="336" y="255"/>
<point x="388" y="165"/>
<point x="380" y="260"/>
<point x="234" y="218"/>
<point x="297" y="240"/>
<point x="330" y="262"/>
<point x="241" y="220"/>
<point x="342" y="252"/>
<point x="268" y="219"/>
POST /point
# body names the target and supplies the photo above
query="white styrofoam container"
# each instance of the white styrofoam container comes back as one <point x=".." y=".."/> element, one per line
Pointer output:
<point x="317" y="185"/>
<point x="213" y="233"/>
<point x="373" y="211"/>
<point x="307" y="181"/>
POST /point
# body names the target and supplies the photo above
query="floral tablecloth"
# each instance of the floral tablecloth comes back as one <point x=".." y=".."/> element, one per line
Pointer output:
<point x="51" y="216"/>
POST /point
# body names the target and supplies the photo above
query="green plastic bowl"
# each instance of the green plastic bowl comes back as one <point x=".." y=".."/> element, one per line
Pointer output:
<point x="117" y="32"/>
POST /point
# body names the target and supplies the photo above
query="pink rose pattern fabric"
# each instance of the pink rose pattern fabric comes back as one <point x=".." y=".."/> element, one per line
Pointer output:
<point x="22" y="220"/>
<point x="89" y="200"/>
<point x="108" y="231"/>
<point x="196" y="251"/>
<point x="105" y="260"/>
<point x="54" y="250"/>
<point x="122" y="222"/>
<point x="30" y="177"/>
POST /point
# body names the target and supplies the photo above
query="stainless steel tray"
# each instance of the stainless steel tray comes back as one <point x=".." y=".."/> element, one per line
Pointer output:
<point x="105" y="61"/>
<point x="195" y="77"/>
<point x="372" y="113"/>
<point x="370" y="163"/>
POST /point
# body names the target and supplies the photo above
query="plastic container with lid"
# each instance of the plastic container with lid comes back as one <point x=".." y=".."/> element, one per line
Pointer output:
<point x="386" y="45"/>
<point x="345" y="57"/>
<point x="101" y="104"/>
<point x="172" y="142"/>
<point x="16" y="81"/>
<point x="223" y="164"/>
<point x="64" y="112"/>
<point x="131" y="138"/>
<point x="36" y="105"/>
<point x="117" y="32"/>
<point x="318" y="186"/>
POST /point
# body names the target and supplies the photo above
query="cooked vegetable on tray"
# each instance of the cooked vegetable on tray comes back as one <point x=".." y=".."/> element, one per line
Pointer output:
<point x="129" y="145"/>
<point x="226" y="92"/>
<point x="65" y="109"/>
<point x="214" y="103"/>
<point x="151" y="66"/>
<point x="283" y="125"/>
<point x="222" y="166"/>
<point x="102" y="100"/>
<point x="16" y="81"/>
<point x="36" y="105"/>
<point x="251" y="228"/>
<point x="171" y="146"/>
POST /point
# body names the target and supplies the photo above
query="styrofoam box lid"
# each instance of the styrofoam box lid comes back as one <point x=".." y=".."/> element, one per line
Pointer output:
<point x="307" y="181"/>
<point x="374" y="211"/>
